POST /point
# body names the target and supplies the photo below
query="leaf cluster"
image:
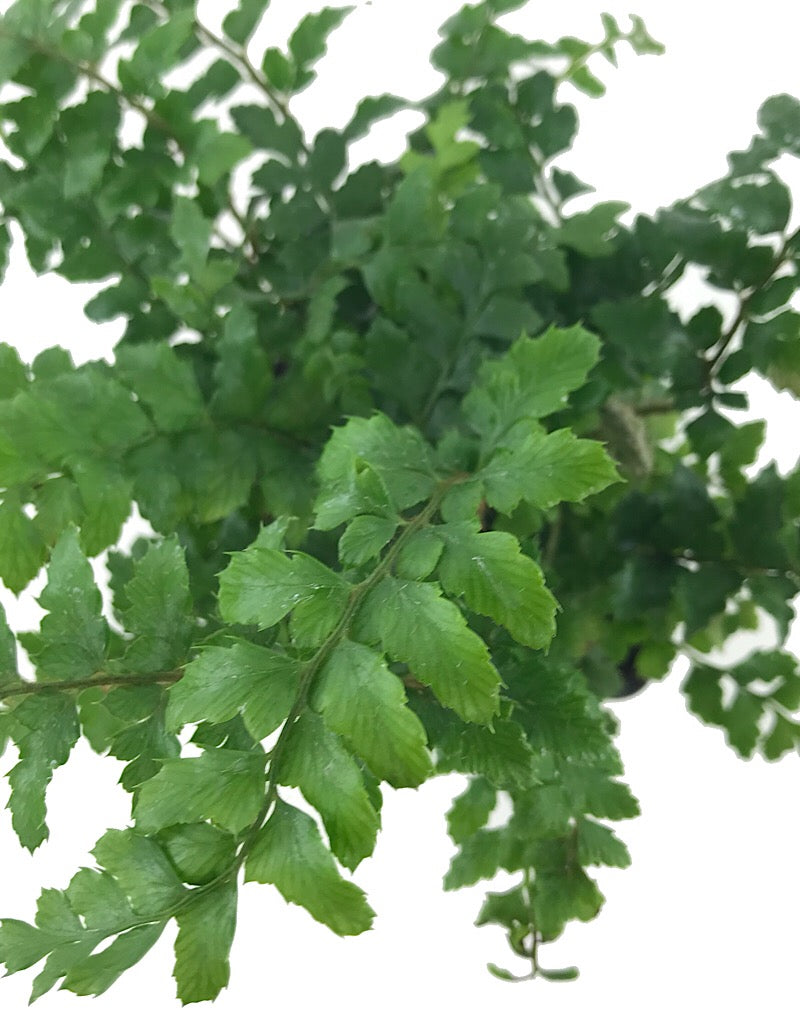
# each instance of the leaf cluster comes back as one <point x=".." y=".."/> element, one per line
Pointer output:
<point x="431" y="469"/>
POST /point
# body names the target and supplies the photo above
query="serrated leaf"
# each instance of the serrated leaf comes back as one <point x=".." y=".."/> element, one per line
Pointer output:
<point x="22" y="548"/>
<point x="315" y="761"/>
<point x="370" y="110"/>
<point x="492" y="575"/>
<point x="226" y="681"/>
<point x="592" y="233"/>
<point x="419" y="555"/>
<point x="142" y="870"/>
<point x="202" y="948"/>
<point x="13" y="374"/>
<point x="44" y="728"/>
<point x="223" y="786"/>
<point x="471" y="809"/>
<point x="261" y="586"/>
<point x="398" y="456"/>
<point x="72" y="642"/>
<point x="362" y="701"/>
<point x="95" y="974"/>
<point x="165" y="384"/>
<point x="481" y="856"/>
<point x="156" y="609"/>
<point x="308" y="42"/>
<point x="418" y="626"/>
<point x="106" y="495"/>
<point x="218" y="153"/>
<point x="8" y="653"/>
<point x="99" y="900"/>
<point x="502" y="754"/>
<point x="533" y="379"/>
<point x="290" y="855"/>
<point x="22" y="945"/>
<point x="546" y="469"/>
<point x="598" y="845"/>
<point x="241" y="23"/>
<point x="191" y="232"/>
<point x="199" y="852"/>
<point x="365" y="538"/>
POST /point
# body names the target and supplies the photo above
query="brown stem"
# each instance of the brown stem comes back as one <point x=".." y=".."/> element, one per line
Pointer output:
<point x="104" y="681"/>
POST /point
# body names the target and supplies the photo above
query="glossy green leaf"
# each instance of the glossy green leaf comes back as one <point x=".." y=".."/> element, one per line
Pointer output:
<point x="262" y="586"/>
<point x="496" y="579"/>
<point x="225" y="787"/>
<point x="290" y="855"/>
<point x="224" y="681"/>
<point x="416" y="625"/>
<point x="317" y="763"/>
<point x="365" y="703"/>
<point x="546" y="469"/>
<point x="73" y="634"/>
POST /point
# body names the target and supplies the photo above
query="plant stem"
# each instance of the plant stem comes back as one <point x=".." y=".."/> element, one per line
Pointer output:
<point x="141" y="679"/>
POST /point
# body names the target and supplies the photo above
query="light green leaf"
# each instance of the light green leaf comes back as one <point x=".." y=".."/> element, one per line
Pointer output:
<point x="72" y="641"/>
<point x="533" y="379"/>
<point x="492" y="575"/>
<point x="191" y="232"/>
<point x="481" y="856"/>
<point x="290" y="855"/>
<point x="223" y="786"/>
<point x="546" y="469"/>
<point x="398" y="456"/>
<point x="419" y="555"/>
<point x="365" y="538"/>
<point x="203" y="945"/>
<point x="44" y="728"/>
<point x="142" y="870"/>
<point x="361" y="700"/>
<point x="99" y="900"/>
<point x="261" y="586"/>
<point x="156" y="608"/>
<point x="13" y="375"/>
<point x="225" y="681"/>
<point x="106" y="495"/>
<point x="217" y="153"/>
<point x="418" y="626"/>
<point x="315" y="761"/>
<point x="94" y="974"/>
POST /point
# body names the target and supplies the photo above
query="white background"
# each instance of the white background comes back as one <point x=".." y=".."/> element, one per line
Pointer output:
<point x="704" y="925"/>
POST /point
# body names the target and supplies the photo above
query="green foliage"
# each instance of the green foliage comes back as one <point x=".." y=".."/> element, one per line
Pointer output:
<point x="432" y="468"/>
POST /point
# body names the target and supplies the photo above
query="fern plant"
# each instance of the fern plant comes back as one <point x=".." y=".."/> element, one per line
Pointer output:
<point x="431" y="467"/>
